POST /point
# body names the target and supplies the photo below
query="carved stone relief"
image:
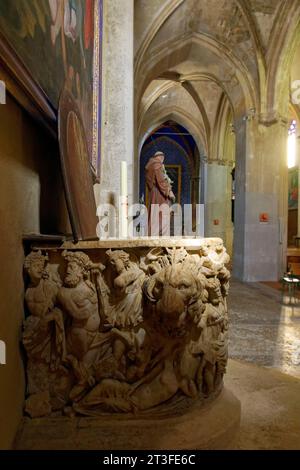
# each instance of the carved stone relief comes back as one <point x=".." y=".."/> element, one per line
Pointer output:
<point x="139" y="330"/>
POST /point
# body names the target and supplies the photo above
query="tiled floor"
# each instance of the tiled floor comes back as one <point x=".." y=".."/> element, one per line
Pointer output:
<point x="265" y="327"/>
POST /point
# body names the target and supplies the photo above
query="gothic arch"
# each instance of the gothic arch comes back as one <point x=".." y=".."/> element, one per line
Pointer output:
<point x="285" y="38"/>
<point x="153" y="29"/>
<point x="243" y="93"/>
<point x="181" y="117"/>
<point x="223" y="117"/>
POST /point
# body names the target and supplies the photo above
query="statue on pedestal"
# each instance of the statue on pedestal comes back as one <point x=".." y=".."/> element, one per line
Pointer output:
<point x="160" y="193"/>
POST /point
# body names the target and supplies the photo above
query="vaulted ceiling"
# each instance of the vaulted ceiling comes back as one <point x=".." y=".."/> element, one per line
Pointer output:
<point x="200" y="61"/>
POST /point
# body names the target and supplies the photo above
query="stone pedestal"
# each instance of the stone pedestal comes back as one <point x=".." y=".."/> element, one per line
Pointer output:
<point x="133" y="335"/>
<point x="212" y="427"/>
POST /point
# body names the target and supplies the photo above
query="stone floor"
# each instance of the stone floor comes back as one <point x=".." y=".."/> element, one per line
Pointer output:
<point x="265" y="327"/>
<point x="270" y="418"/>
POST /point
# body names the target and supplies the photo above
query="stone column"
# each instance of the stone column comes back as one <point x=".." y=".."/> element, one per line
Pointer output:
<point x="117" y="98"/>
<point x="218" y="202"/>
<point x="261" y="204"/>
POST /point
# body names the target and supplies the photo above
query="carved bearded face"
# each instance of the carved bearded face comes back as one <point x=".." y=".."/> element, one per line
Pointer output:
<point x="74" y="274"/>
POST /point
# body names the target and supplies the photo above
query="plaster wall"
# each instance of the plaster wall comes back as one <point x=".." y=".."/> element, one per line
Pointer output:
<point x="31" y="200"/>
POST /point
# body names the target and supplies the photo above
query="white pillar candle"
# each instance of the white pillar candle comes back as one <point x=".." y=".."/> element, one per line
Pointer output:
<point x="123" y="189"/>
<point x="123" y="202"/>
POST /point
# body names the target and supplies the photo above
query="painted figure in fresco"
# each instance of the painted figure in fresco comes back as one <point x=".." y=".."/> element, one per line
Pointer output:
<point x="55" y="40"/>
<point x="76" y="21"/>
<point x="160" y="193"/>
<point x="66" y="16"/>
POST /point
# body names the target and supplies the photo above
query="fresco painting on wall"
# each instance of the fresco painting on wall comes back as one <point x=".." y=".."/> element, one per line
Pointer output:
<point x="293" y="188"/>
<point x="59" y="41"/>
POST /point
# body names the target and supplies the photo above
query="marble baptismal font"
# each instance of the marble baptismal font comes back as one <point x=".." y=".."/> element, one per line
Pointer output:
<point x="130" y="330"/>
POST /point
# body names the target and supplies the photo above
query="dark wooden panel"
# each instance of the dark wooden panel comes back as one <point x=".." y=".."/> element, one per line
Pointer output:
<point x="76" y="168"/>
<point x="292" y="226"/>
<point x="22" y="86"/>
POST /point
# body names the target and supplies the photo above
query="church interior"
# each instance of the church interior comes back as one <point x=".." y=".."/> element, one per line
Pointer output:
<point x="103" y="336"/>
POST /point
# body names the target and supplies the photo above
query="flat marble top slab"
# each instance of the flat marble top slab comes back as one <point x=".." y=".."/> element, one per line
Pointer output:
<point x="143" y="242"/>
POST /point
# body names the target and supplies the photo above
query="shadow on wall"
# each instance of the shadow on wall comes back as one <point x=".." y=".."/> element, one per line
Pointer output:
<point x="32" y="199"/>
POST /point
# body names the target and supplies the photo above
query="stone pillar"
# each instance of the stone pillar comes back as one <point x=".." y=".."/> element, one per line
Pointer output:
<point x="261" y="204"/>
<point x="218" y="202"/>
<point x="117" y="98"/>
<point x="203" y="179"/>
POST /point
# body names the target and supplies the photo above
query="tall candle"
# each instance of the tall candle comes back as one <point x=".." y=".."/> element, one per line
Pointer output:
<point x="123" y="202"/>
<point x="123" y="189"/>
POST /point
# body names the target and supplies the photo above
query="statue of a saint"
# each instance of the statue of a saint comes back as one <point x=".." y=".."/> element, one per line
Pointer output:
<point x="160" y="193"/>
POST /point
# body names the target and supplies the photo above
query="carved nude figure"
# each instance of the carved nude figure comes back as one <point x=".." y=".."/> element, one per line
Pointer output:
<point x="128" y="280"/>
<point x="78" y="299"/>
<point x="212" y="343"/>
<point x="154" y="350"/>
<point x="43" y="337"/>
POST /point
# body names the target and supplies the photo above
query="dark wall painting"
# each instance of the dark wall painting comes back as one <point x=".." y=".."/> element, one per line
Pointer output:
<point x="59" y="41"/>
<point x="293" y="188"/>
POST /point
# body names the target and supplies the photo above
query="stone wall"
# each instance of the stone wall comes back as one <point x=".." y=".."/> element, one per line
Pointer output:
<point x="32" y="199"/>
